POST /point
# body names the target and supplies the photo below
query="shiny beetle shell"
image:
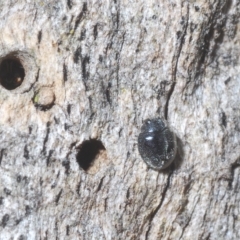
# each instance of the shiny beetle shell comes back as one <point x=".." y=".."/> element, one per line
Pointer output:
<point x="157" y="144"/>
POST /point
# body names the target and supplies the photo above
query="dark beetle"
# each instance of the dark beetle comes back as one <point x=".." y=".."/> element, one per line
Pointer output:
<point x="157" y="144"/>
<point x="11" y="73"/>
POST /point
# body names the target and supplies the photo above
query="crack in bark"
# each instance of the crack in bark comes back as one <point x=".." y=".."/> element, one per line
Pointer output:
<point x="46" y="138"/>
<point x="56" y="229"/>
<point x="67" y="230"/>
<point x="100" y="185"/>
<point x="153" y="214"/>
<point x="189" y="220"/>
<point x="26" y="152"/>
<point x="58" y="196"/>
<point x="1" y="155"/>
<point x="114" y="33"/>
<point x="118" y="57"/>
<point x="69" y="4"/>
<point x="66" y="164"/>
<point x="65" y="72"/>
<point x="49" y="156"/>
<point x="80" y="16"/>
<point x="175" y="62"/>
<point x="95" y="31"/>
<point x="234" y="166"/>
<point x="39" y="36"/>
<point x="32" y="84"/>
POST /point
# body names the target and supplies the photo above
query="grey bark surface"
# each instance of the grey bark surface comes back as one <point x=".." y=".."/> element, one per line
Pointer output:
<point x="102" y="68"/>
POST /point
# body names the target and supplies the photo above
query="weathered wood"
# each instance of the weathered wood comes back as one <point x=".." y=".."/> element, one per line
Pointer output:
<point x="97" y="70"/>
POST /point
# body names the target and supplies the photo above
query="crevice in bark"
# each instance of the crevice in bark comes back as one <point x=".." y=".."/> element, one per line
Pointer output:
<point x="32" y="84"/>
<point x="80" y="16"/>
<point x="108" y="95"/>
<point x="58" y="196"/>
<point x="78" y="188"/>
<point x="181" y="36"/>
<point x="233" y="168"/>
<point x="65" y="72"/>
<point x="85" y="62"/>
<point x="67" y="230"/>
<point x="69" y="106"/>
<point x="115" y="33"/>
<point x="37" y="76"/>
<point x="26" y="152"/>
<point x="49" y="156"/>
<point x="1" y="155"/>
<point x="5" y="220"/>
<point x="211" y="31"/>
<point x="168" y="99"/>
<point x="66" y="164"/>
<point x="22" y="237"/>
<point x="39" y="37"/>
<point x="46" y="138"/>
<point x="1" y="200"/>
<point x="69" y="3"/>
<point x="153" y="214"/>
<point x="189" y="220"/>
<point x="7" y="191"/>
<point x="56" y="229"/>
<point x="95" y="31"/>
<point x="100" y="184"/>
<point x="77" y="55"/>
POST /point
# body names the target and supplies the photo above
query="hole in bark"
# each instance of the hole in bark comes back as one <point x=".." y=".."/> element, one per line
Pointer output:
<point x="44" y="99"/>
<point x="89" y="151"/>
<point x="12" y="72"/>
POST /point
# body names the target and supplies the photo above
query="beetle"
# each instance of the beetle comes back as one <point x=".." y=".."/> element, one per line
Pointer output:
<point x="157" y="144"/>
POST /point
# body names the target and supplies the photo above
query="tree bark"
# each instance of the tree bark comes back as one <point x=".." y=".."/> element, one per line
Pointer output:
<point x="93" y="72"/>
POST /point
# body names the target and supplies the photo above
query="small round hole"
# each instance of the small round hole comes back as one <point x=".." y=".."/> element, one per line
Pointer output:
<point x="88" y="152"/>
<point x="12" y="72"/>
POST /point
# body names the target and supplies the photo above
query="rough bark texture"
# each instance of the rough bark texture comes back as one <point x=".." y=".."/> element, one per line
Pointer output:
<point x="96" y="70"/>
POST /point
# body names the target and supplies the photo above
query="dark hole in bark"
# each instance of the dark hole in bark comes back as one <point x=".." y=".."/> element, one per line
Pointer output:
<point x="12" y="72"/>
<point x="89" y="150"/>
